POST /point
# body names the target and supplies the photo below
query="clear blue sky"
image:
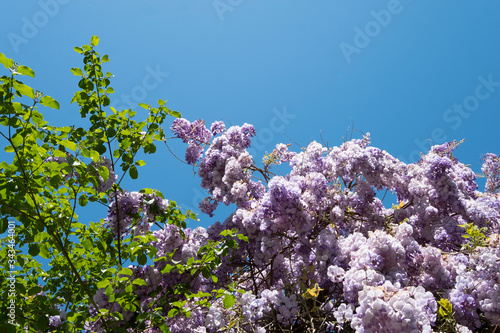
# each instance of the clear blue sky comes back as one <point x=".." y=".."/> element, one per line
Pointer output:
<point x="408" y="72"/>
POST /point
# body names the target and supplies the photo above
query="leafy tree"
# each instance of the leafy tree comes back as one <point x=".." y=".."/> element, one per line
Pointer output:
<point x="325" y="255"/>
<point x="53" y="171"/>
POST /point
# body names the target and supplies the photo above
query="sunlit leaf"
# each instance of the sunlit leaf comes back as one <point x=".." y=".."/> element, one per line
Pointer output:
<point x="68" y="144"/>
<point x="94" y="41"/>
<point x="25" y="70"/>
<point x="229" y="301"/>
<point x="8" y="63"/>
<point x="103" y="284"/>
<point x="76" y="71"/>
<point x="139" y="282"/>
<point x="50" y="102"/>
<point x="24" y="89"/>
<point x="126" y="271"/>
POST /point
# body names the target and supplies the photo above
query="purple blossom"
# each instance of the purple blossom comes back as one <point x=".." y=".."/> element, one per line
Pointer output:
<point x="217" y="127"/>
<point x="194" y="152"/>
<point x="491" y="168"/>
<point x="188" y="131"/>
<point x="379" y="267"/>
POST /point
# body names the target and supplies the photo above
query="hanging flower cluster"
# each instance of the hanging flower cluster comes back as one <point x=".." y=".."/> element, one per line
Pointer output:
<point x="324" y="252"/>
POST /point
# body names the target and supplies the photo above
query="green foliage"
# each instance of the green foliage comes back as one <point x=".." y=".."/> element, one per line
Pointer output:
<point x="445" y="308"/>
<point x="445" y="321"/>
<point x="50" y="174"/>
<point x="475" y="236"/>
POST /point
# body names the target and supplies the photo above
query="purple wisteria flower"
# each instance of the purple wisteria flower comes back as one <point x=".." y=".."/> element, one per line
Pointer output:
<point x="491" y="168"/>
<point x="325" y="247"/>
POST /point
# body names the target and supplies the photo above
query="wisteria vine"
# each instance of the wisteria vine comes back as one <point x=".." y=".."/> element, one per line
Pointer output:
<point x="323" y="253"/>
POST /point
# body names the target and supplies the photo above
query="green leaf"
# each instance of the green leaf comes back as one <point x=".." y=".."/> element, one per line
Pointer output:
<point x="44" y="251"/>
<point x="25" y="70"/>
<point x="144" y="106"/>
<point x="34" y="249"/>
<point x="142" y="259"/>
<point x="87" y="244"/>
<point x="164" y="328"/>
<point x="95" y="156"/>
<point x="34" y="290"/>
<point x="105" y="58"/>
<point x="133" y="172"/>
<point x="83" y="200"/>
<point x="126" y="271"/>
<point x="104" y="173"/>
<point x="76" y="71"/>
<point x="139" y="282"/>
<point x="110" y="132"/>
<point x="9" y="328"/>
<point x="243" y="237"/>
<point x="4" y="224"/>
<point x="24" y="89"/>
<point x="109" y="290"/>
<point x="50" y="102"/>
<point x="172" y="312"/>
<point x="205" y="272"/>
<point x="85" y="152"/>
<point x="167" y="269"/>
<point x="8" y="63"/>
<point x="105" y="100"/>
<point x="100" y="148"/>
<point x="68" y="144"/>
<point x="445" y="308"/>
<point x="175" y="114"/>
<point x="94" y="41"/>
<point x="229" y="301"/>
<point x="78" y="49"/>
<point x="103" y="284"/>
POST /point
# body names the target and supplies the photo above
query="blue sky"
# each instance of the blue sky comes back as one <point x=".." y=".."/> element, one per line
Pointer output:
<point x="411" y="73"/>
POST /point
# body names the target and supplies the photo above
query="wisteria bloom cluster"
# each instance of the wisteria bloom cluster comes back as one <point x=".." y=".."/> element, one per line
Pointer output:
<point x="326" y="250"/>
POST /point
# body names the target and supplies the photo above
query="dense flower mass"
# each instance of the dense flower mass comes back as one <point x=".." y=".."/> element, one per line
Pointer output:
<point x="491" y="168"/>
<point x="196" y="135"/>
<point x="325" y="251"/>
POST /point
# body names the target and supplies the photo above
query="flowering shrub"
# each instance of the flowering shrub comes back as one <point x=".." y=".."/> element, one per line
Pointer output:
<point x="313" y="249"/>
<point x="335" y="257"/>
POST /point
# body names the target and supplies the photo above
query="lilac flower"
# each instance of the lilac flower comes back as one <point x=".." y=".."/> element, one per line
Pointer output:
<point x="187" y="131"/>
<point x="194" y="152"/>
<point x="491" y="168"/>
<point x="379" y="268"/>
<point x="217" y="127"/>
